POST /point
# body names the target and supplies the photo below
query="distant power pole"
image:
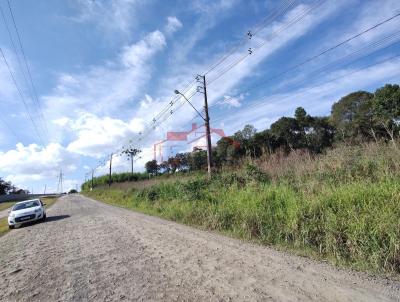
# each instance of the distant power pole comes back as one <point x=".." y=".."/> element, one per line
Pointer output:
<point x="92" y="180"/>
<point x="109" y="177"/>
<point x="60" y="182"/>
<point x="207" y="125"/>
<point x="44" y="193"/>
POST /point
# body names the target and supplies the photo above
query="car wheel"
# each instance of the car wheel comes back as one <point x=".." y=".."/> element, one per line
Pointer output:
<point x="11" y="227"/>
<point x="44" y="217"/>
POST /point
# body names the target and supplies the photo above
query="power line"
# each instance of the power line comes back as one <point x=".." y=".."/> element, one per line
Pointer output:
<point x="9" y="128"/>
<point x="159" y="119"/>
<point x="15" y="50"/>
<point x="374" y="45"/>
<point x="165" y="113"/>
<point x="21" y="96"/>
<point x="316" y="56"/>
<point x="296" y="19"/>
<point x="262" y="99"/>
<point x="271" y="17"/>
<point x="35" y="98"/>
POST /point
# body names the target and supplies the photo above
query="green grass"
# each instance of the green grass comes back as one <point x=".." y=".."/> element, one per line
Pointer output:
<point x="6" y="205"/>
<point x="343" y="207"/>
<point x="4" y="223"/>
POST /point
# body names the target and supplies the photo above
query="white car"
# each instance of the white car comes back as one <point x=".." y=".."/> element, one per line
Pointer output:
<point x="26" y="211"/>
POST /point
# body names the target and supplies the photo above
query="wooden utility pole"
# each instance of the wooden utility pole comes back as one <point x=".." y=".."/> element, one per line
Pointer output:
<point x="206" y="119"/>
<point x="92" y="180"/>
<point x="131" y="163"/>
<point x="109" y="177"/>
<point x="207" y="125"/>
<point x="61" y="181"/>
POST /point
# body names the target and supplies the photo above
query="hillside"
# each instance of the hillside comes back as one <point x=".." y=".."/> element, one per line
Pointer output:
<point x="342" y="206"/>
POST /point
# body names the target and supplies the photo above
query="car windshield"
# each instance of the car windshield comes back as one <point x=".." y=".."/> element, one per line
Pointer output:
<point x="26" y="205"/>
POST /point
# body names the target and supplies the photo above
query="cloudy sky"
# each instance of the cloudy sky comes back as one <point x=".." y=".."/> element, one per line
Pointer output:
<point x="104" y="72"/>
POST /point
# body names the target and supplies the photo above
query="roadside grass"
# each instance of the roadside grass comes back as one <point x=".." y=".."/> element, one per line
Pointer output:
<point x="4" y="223"/>
<point x="343" y="206"/>
<point x="6" y="205"/>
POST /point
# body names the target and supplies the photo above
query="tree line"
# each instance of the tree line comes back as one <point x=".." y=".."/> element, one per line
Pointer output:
<point x="356" y="118"/>
<point x="6" y="187"/>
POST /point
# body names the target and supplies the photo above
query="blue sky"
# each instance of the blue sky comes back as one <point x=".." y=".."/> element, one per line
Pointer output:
<point x="103" y="69"/>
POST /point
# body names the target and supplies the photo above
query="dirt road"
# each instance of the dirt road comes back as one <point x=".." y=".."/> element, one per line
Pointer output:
<point x="89" y="251"/>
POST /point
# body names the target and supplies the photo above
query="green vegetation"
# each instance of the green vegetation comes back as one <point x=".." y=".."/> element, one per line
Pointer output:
<point x="3" y="226"/>
<point x="6" y="205"/>
<point x="7" y="187"/>
<point x="3" y="221"/>
<point x="115" y="178"/>
<point x="343" y="206"/>
<point x="325" y="186"/>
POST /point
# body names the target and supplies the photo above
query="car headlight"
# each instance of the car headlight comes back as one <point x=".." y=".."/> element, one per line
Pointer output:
<point x="12" y="215"/>
<point x="38" y="210"/>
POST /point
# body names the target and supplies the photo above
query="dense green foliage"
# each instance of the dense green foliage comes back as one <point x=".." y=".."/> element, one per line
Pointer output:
<point x="7" y="187"/>
<point x="343" y="206"/>
<point x="358" y="117"/>
<point x="117" y="177"/>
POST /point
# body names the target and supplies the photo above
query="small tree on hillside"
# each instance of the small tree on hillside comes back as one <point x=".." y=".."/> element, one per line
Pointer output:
<point x="131" y="153"/>
<point x="386" y="105"/>
<point x="5" y="187"/>
<point x="152" y="167"/>
<point x="352" y="116"/>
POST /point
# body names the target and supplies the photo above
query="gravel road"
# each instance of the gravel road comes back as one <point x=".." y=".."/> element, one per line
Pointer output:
<point x="90" y="251"/>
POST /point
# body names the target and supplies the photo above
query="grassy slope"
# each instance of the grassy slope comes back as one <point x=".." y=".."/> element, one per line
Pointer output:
<point x="343" y="207"/>
<point x="4" y="224"/>
<point x="6" y="205"/>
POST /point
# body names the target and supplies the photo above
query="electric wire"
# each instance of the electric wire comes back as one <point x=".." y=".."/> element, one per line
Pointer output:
<point x="271" y="17"/>
<point x="35" y="95"/>
<point x="296" y="19"/>
<point x="22" y="97"/>
<point x="314" y="57"/>
<point x="262" y="102"/>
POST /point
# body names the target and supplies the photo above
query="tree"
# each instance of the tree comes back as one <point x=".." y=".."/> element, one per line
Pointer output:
<point x="152" y="167"/>
<point x="319" y="135"/>
<point x="131" y="153"/>
<point x="386" y="109"/>
<point x="197" y="159"/>
<point x="264" y="142"/>
<point x="352" y="116"/>
<point x="302" y="118"/>
<point x="72" y="191"/>
<point x="5" y="187"/>
<point x="287" y="130"/>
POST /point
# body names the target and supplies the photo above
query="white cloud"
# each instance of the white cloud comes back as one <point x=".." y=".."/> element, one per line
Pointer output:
<point x="139" y="53"/>
<point x="173" y="24"/>
<point x="232" y="101"/>
<point x="109" y="16"/>
<point x="35" y="163"/>
<point x="107" y="90"/>
<point x="98" y="136"/>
